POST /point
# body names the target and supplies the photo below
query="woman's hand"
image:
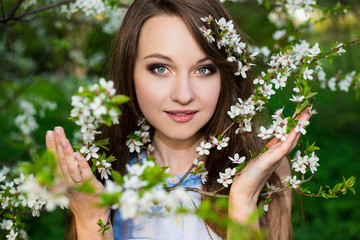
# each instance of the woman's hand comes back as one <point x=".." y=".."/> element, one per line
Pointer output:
<point x="246" y="188"/>
<point x="75" y="170"/>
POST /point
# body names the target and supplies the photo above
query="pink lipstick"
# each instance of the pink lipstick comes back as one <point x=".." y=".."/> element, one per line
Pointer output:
<point x="181" y="116"/>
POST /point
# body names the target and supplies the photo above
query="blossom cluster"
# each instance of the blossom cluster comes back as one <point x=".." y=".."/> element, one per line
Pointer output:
<point x="281" y="66"/>
<point x="340" y="81"/>
<point x="219" y="143"/>
<point x="26" y="120"/>
<point x="141" y="191"/>
<point x="93" y="106"/>
<point x="24" y="193"/>
<point x="140" y="140"/>
<point x="284" y="10"/>
<point x="303" y="163"/>
<point x="279" y="127"/>
<point x="228" y="38"/>
<point x="88" y="7"/>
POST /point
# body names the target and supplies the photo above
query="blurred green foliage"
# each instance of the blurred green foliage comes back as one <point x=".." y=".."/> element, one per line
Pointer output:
<point x="49" y="55"/>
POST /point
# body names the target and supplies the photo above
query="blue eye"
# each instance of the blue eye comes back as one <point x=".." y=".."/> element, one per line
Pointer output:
<point x="203" y="70"/>
<point x="206" y="70"/>
<point x="160" y="69"/>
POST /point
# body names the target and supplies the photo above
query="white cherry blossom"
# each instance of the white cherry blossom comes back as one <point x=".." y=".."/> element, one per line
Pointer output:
<point x="265" y="133"/>
<point x="296" y="99"/>
<point x="293" y="181"/>
<point x="237" y="159"/>
<point x="307" y="73"/>
<point x="300" y="127"/>
<point x="204" y="147"/>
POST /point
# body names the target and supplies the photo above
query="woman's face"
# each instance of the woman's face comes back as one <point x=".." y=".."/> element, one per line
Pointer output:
<point x="177" y="86"/>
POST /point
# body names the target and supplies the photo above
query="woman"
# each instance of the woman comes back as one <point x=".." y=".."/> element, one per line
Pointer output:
<point x="183" y="85"/>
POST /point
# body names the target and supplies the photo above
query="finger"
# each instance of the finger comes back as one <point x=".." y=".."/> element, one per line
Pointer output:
<point x="305" y="116"/>
<point x="72" y="165"/>
<point x="60" y="134"/>
<point x="278" y="151"/>
<point x="84" y="166"/>
<point x="50" y="142"/>
<point x="51" y="146"/>
<point x="272" y="142"/>
<point x="86" y="171"/>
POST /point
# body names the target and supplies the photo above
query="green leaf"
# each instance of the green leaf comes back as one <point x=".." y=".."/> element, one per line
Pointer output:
<point x="337" y="188"/>
<point x="267" y="4"/>
<point x="107" y="119"/>
<point x="8" y="215"/>
<point x="100" y="223"/>
<point x="352" y="190"/>
<point x="102" y="143"/>
<point x="93" y="167"/>
<point x="311" y="148"/>
<point x="77" y="148"/>
<point x="119" y="99"/>
<point x="304" y="105"/>
<point x="264" y="149"/>
<point x="350" y="182"/>
<point x="117" y="110"/>
<point x="73" y="119"/>
<point x="310" y="95"/>
<point x="154" y="175"/>
<point x="110" y="158"/>
<point x="117" y="177"/>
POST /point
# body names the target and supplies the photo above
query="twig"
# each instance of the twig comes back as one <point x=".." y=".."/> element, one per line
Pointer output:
<point x="283" y="189"/>
<point x="227" y="129"/>
<point x="14" y="9"/>
<point x="2" y="9"/>
<point x="335" y="49"/>
<point x="211" y="194"/>
<point x="20" y="16"/>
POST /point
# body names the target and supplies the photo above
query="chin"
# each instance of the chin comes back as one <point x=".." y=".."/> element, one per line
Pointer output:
<point x="181" y="134"/>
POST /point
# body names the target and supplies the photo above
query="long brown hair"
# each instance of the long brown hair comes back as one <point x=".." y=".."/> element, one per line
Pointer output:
<point x="121" y="72"/>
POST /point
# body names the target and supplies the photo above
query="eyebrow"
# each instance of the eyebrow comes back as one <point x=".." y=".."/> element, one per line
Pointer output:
<point x="158" y="55"/>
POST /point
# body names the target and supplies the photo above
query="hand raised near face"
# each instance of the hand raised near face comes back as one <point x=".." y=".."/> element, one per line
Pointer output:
<point x="75" y="170"/>
<point x="246" y="188"/>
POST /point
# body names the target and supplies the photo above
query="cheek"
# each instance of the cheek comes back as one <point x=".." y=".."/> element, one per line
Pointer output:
<point x="148" y="95"/>
<point x="210" y="95"/>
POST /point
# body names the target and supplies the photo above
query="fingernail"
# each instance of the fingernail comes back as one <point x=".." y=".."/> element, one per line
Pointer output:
<point x="50" y="135"/>
<point x="58" y="131"/>
<point x="77" y="156"/>
<point x="63" y="142"/>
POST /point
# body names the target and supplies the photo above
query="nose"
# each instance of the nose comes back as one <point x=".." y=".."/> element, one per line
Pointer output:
<point x="182" y="89"/>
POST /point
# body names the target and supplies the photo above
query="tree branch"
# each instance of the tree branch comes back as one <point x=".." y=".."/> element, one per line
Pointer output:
<point x="211" y="194"/>
<point x="53" y="5"/>
<point x="283" y="189"/>
<point x="14" y="9"/>
<point x="11" y="16"/>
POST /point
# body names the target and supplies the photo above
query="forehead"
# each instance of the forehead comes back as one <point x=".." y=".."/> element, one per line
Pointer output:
<point x="168" y="35"/>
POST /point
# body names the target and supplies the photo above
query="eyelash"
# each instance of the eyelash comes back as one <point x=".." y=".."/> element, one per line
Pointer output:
<point x="211" y="68"/>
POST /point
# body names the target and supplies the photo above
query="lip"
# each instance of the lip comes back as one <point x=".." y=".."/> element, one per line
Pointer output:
<point x="181" y="116"/>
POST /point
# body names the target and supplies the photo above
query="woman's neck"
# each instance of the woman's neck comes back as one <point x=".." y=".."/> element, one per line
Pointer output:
<point x="178" y="155"/>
